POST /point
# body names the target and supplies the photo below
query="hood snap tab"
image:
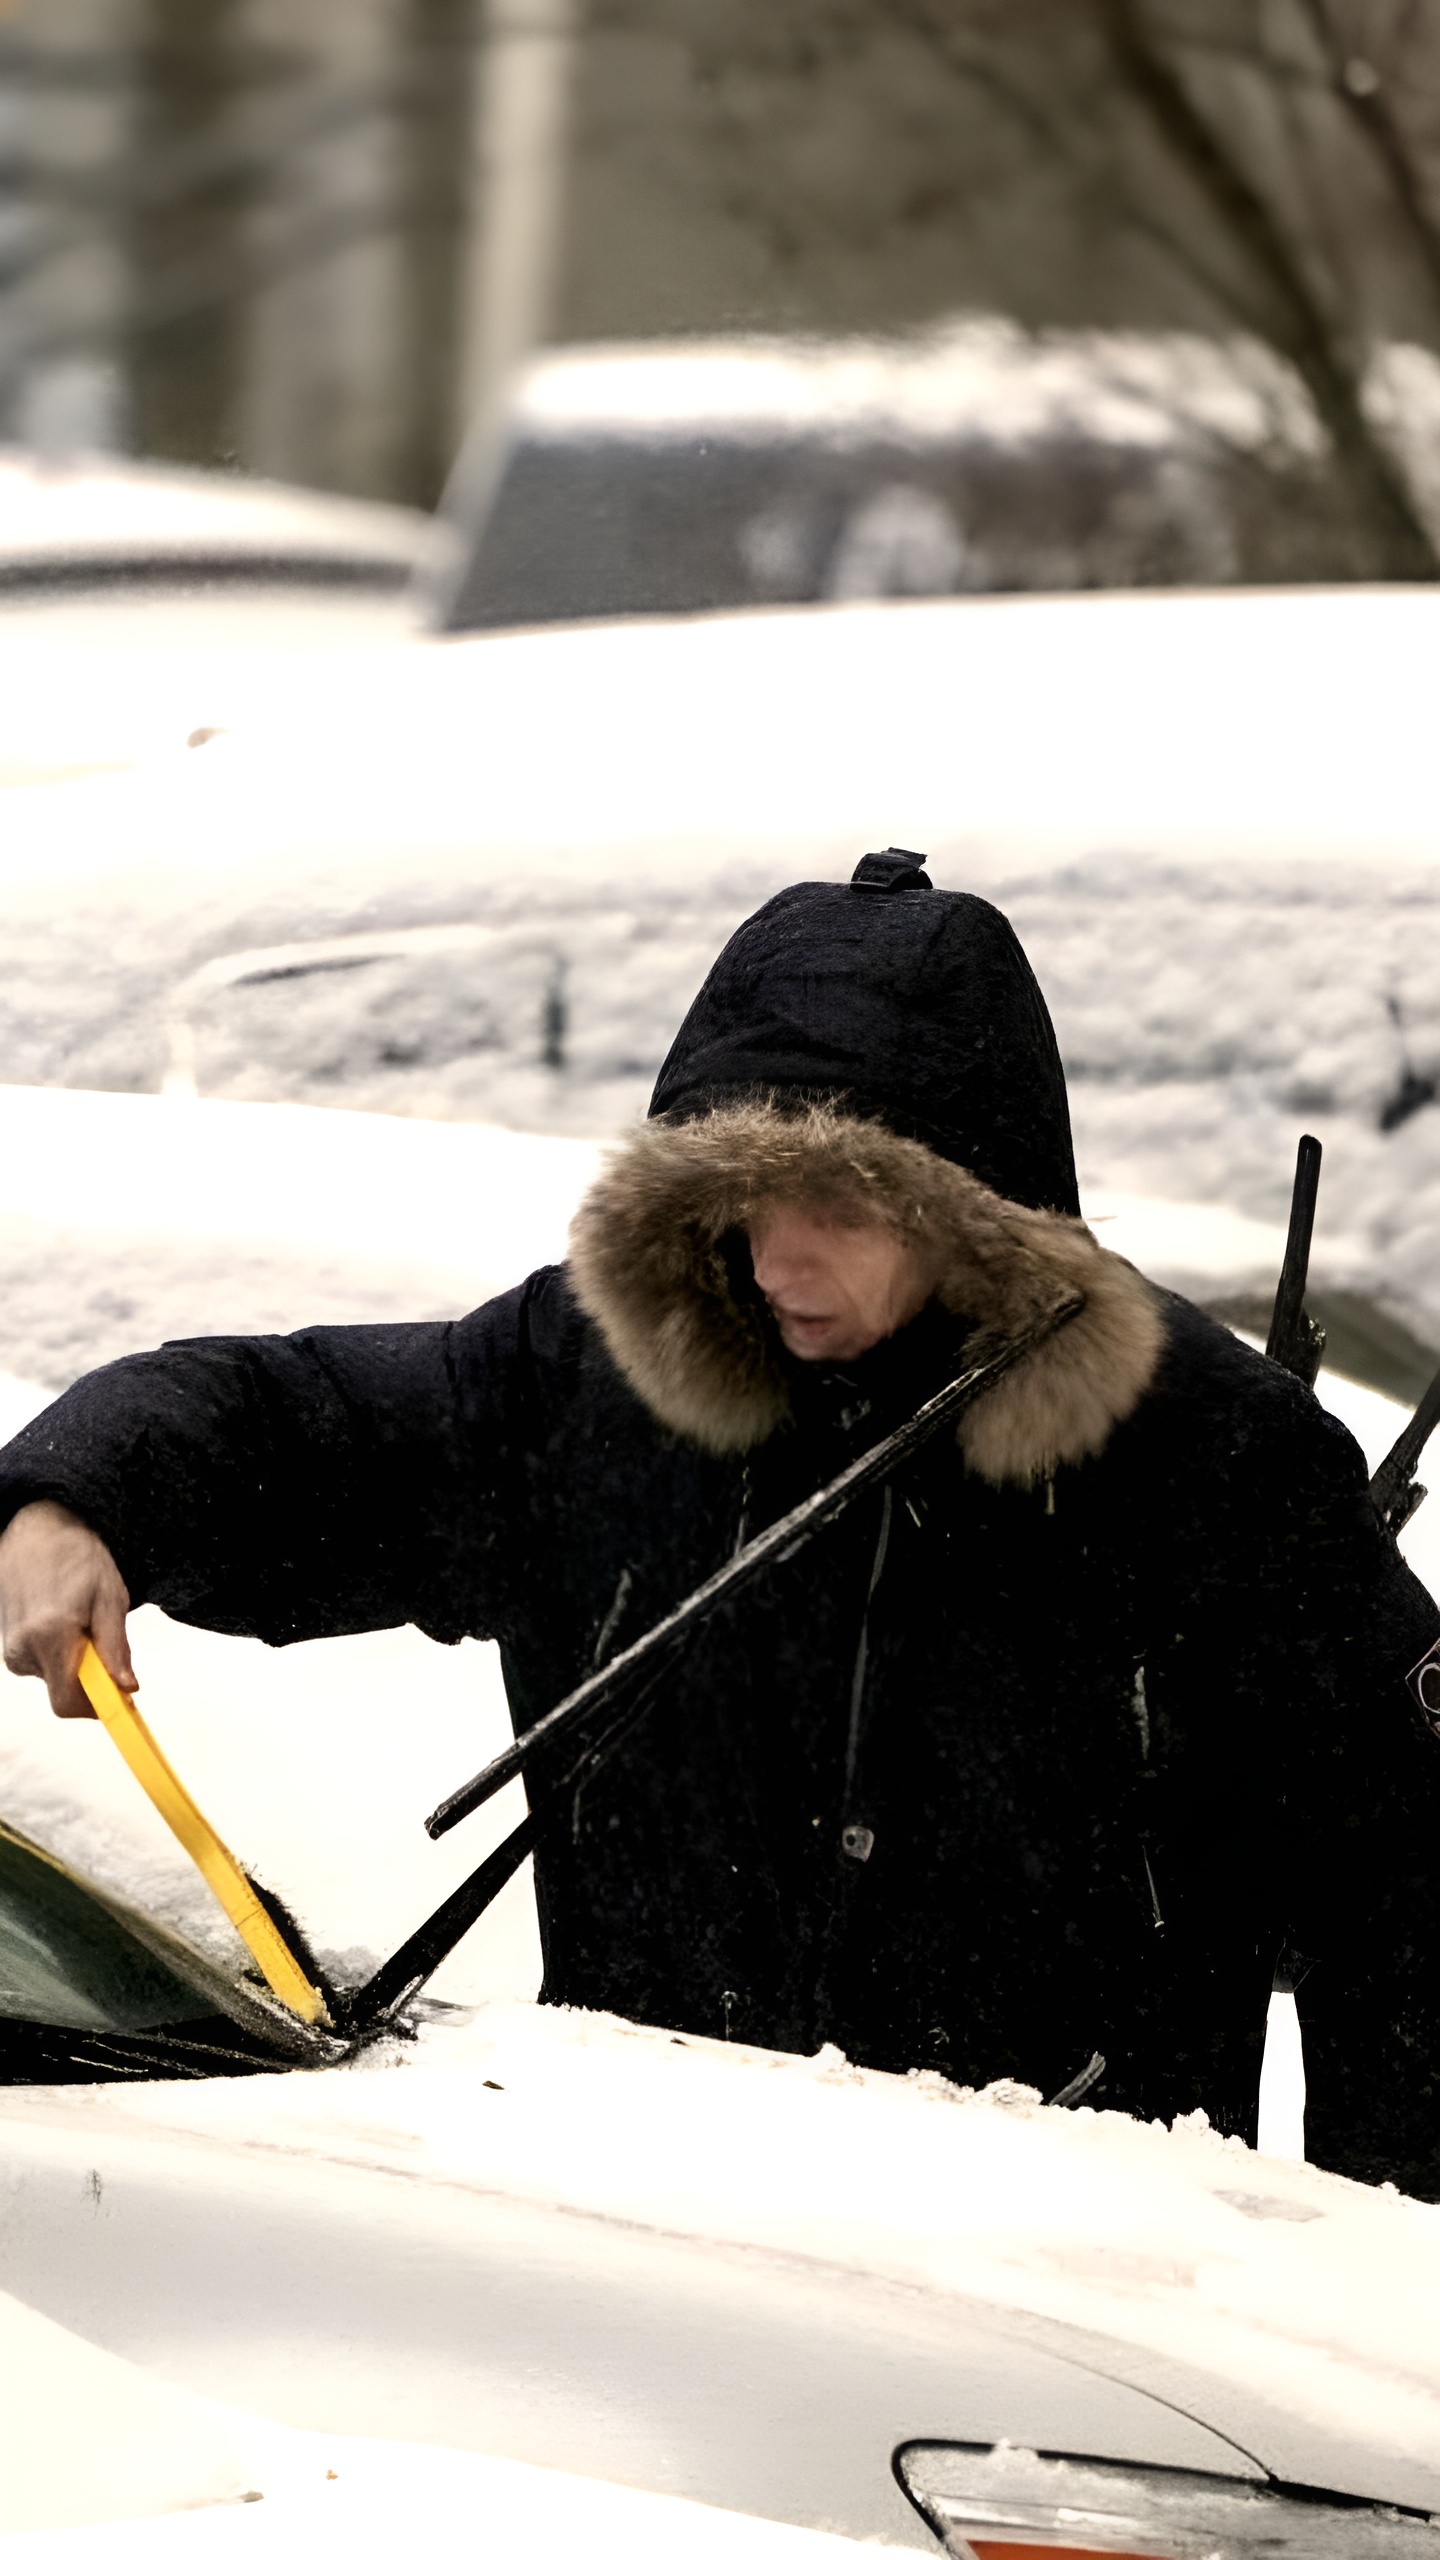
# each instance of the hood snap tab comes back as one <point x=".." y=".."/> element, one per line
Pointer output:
<point x="891" y="871"/>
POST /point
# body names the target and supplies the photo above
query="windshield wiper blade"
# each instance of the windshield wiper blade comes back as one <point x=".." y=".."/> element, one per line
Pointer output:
<point x="773" y="1546"/>
<point x="1296" y="1341"/>
<point x="412" y="1964"/>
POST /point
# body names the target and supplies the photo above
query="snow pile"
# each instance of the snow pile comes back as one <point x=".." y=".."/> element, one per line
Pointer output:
<point x="1290" y="726"/>
<point x="1206" y="1019"/>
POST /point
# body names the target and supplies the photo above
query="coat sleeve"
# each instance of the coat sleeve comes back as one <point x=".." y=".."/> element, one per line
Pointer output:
<point x="320" y="1483"/>
<point x="1303" y="1774"/>
<point x="1360" y="1826"/>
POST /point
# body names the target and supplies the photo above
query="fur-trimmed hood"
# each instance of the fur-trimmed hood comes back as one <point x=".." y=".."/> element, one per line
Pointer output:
<point x="658" y="1259"/>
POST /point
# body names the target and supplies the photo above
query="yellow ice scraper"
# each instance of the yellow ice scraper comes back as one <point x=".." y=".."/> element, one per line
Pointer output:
<point x="223" y="1873"/>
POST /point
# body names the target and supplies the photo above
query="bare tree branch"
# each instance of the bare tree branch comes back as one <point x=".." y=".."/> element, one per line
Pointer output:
<point x="1371" y="110"/>
<point x="1298" y="328"/>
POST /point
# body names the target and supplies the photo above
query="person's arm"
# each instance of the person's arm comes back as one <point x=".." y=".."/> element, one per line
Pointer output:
<point x="320" y="1483"/>
<point x="1306" y="1621"/>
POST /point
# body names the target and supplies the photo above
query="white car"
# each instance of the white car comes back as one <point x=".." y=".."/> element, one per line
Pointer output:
<point x="542" y="2274"/>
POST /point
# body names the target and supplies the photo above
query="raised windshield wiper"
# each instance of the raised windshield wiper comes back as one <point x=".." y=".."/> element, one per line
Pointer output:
<point x="1296" y="1342"/>
<point x="613" y="1688"/>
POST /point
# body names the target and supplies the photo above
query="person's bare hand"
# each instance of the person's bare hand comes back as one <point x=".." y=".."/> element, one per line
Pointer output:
<point x="59" y="1583"/>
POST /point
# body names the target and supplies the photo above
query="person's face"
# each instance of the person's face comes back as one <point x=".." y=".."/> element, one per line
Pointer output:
<point x="835" y="1290"/>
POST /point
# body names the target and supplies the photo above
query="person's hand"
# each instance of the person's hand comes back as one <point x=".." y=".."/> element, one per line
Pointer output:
<point x="59" y="1583"/>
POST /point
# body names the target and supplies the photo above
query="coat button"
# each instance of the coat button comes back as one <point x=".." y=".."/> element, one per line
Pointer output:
<point x="856" y="1841"/>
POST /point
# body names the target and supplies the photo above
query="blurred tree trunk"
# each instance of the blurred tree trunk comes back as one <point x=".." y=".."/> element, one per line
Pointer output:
<point x="189" y="210"/>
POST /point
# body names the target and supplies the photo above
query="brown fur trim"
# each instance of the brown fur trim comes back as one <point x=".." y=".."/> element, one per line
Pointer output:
<point x="653" y="1251"/>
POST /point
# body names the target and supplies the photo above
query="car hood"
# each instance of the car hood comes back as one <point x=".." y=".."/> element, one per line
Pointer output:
<point x="1288" y="2313"/>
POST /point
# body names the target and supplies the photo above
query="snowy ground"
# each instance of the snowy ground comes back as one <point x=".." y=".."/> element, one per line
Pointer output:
<point x="206" y="1216"/>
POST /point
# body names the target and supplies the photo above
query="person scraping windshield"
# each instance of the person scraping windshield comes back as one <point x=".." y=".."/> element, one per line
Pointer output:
<point x="1056" y="1744"/>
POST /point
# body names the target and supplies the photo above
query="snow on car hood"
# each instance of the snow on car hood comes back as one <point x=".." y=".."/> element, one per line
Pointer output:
<point x="1270" y="2300"/>
<point x="94" y="2441"/>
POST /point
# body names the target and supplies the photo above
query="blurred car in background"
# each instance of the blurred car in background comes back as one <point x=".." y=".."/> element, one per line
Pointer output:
<point x="711" y="474"/>
<point x="86" y="522"/>
<point x="123" y="581"/>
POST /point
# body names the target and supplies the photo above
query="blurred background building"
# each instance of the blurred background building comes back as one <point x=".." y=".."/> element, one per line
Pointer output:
<point x="315" y="239"/>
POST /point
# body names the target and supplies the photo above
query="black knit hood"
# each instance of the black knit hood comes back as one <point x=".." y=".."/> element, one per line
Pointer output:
<point x="899" y="1003"/>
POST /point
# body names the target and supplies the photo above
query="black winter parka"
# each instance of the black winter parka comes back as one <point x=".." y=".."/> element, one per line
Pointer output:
<point x="1028" y="1756"/>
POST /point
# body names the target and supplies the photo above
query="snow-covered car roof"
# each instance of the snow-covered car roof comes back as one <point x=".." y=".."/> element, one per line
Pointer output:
<point x="979" y="376"/>
<point x="1018" y="734"/>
